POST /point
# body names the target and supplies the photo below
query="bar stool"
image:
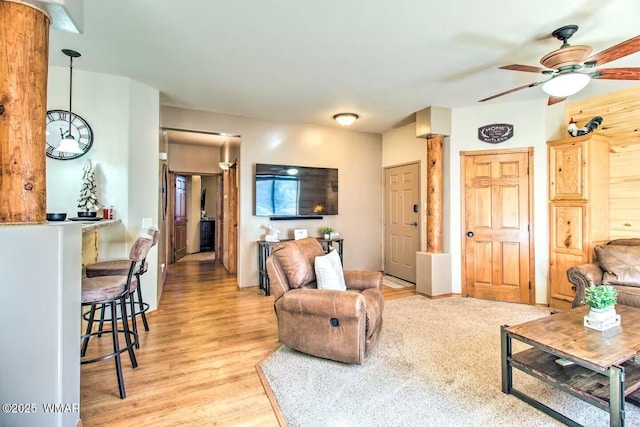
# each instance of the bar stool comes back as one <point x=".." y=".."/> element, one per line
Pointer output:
<point x="120" y="267"/>
<point x="112" y="291"/>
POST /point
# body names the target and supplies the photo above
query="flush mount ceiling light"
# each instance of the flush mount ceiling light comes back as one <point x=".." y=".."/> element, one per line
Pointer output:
<point x="567" y="84"/>
<point x="345" y="119"/>
<point x="69" y="143"/>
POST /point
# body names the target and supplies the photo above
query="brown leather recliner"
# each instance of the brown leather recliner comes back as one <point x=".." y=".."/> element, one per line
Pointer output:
<point x="336" y="325"/>
<point x="616" y="263"/>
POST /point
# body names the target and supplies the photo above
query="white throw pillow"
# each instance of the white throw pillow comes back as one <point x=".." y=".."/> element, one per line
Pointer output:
<point x="329" y="272"/>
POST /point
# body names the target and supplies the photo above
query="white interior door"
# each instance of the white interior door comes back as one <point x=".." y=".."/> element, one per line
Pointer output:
<point x="401" y="214"/>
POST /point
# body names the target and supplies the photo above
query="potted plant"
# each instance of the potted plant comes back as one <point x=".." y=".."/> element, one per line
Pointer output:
<point x="326" y="232"/>
<point x="602" y="312"/>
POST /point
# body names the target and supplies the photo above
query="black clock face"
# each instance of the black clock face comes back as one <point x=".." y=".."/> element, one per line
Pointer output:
<point x="58" y="129"/>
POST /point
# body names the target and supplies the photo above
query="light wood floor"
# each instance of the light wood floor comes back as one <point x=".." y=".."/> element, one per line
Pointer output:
<point x="197" y="363"/>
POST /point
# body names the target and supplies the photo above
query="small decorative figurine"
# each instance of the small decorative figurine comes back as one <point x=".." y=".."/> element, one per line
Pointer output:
<point x="272" y="236"/>
<point x="588" y="128"/>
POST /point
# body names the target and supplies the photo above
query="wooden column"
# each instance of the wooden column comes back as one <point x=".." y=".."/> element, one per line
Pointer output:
<point x="434" y="193"/>
<point x="24" y="53"/>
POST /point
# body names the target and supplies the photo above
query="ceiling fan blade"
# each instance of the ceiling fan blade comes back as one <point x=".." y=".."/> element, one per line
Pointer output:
<point x="555" y="99"/>
<point x="617" y="74"/>
<point x="527" y="68"/>
<point x="616" y="52"/>
<point x="511" y="91"/>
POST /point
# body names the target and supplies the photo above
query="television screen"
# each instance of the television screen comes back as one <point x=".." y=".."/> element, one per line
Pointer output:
<point x="295" y="191"/>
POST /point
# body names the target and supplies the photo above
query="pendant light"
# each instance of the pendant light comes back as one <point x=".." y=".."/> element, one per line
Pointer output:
<point x="69" y="143"/>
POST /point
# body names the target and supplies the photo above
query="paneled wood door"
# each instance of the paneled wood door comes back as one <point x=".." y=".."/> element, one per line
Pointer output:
<point x="497" y="250"/>
<point x="233" y="218"/>
<point x="401" y="235"/>
<point x="180" y="221"/>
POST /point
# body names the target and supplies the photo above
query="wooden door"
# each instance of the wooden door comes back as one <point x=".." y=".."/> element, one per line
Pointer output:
<point x="180" y="215"/>
<point x="219" y="217"/>
<point x="497" y="251"/>
<point x="233" y="218"/>
<point x="401" y="214"/>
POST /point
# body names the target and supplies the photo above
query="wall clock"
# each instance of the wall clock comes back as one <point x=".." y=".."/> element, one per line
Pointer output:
<point x="58" y="128"/>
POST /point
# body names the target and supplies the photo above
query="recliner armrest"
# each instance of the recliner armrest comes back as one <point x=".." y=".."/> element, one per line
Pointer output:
<point x="582" y="276"/>
<point x="322" y="302"/>
<point x="361" y="280"/>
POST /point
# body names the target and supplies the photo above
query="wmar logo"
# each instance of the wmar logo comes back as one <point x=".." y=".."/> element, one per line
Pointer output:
<point x="495" y="133"/>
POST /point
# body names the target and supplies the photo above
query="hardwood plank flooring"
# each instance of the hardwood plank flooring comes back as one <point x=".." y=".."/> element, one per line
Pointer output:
<point x="197" y="362"/>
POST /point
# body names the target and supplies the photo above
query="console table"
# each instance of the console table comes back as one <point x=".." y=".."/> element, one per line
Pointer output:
<point x="264" y="250"/>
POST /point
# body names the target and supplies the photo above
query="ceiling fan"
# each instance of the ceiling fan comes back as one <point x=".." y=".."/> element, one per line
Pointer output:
<point x="571" y="69"/>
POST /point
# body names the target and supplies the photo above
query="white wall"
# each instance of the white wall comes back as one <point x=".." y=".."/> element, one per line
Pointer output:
<point x="194" y="188"/>
<point x="194" y="158"/>
<point x="40" y="318"/>
<point x="534" y="124"/>
<point x="144" y="185"/>
<point x="124" y="117"/>
<point x="210" y="184"/>
<point x="357" y="155"/>
<point x="101" y="100"/>
<point x="529" y="120"/>
<point x="400" y="146"/>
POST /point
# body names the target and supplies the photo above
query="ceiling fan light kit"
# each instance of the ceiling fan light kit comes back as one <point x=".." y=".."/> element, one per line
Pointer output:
<point x="570" y="68"/>
<point x="563" y="85"/>
<point x="345" y="119"/>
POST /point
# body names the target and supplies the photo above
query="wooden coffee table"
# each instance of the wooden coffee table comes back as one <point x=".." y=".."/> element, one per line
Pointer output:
<point x="603" y="371"/>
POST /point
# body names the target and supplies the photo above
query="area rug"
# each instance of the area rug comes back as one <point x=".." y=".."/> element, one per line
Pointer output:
<point x="437" y="363"/>
<point x="394" y="282"/>
<point x="199" y="257"/>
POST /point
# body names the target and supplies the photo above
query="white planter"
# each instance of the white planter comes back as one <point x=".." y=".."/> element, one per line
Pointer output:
<point x="327" y="236"/>
<point x="602" y="318"/>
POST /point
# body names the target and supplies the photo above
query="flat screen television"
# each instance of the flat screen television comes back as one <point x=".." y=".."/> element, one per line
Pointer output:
<point x="287" y="191"/>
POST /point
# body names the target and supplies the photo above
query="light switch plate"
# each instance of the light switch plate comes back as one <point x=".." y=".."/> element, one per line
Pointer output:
<point x="147" y="222"/>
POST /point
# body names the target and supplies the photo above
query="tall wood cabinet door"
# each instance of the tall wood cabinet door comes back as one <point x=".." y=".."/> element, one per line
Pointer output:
<point x="566" y="172"/>
<point x="567" y="248"/>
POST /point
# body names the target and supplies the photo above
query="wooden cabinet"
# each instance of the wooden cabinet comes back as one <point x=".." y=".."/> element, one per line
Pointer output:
<point x="207" y="235"/>
<point x="578" y="208"/>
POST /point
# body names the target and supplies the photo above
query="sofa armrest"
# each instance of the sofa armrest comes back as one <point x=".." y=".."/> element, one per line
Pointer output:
<point x="582" y="276"/>
<point x="361" y="280"/>
<point x="323" y="302"/>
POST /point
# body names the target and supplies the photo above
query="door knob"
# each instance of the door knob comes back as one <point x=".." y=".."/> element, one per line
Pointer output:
<point x="470" y="234"/>
<point x="414" y="224"/>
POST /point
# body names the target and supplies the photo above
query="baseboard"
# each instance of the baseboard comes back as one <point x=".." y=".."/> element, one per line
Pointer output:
<point x="439" y="296"/>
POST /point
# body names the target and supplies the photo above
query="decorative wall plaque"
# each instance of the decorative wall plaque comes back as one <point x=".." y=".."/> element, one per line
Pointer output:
<point x="495" y="133"/>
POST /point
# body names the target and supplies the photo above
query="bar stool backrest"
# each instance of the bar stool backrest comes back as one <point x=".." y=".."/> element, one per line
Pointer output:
<point x="154" y="233"/>
<point x="138" y="253"/>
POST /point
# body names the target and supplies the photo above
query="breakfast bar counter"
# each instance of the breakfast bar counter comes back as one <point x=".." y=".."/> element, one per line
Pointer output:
<point x="90" y="238"/>
<point x="88" y="226"/>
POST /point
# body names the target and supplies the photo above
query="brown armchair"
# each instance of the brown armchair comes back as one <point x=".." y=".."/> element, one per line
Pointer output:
<point x="616" y="263"/>
<point x="336" y="325"/>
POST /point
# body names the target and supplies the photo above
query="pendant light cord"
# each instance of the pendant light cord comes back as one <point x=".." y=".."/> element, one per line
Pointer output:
<point x="70" y="90"/>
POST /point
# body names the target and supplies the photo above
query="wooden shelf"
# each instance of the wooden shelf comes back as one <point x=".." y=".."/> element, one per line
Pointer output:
<point x="579" y="381"/>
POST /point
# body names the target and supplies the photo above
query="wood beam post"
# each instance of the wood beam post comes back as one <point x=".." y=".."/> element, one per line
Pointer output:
<point x="24" y="54"/>
<point x="434" y="193"/>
